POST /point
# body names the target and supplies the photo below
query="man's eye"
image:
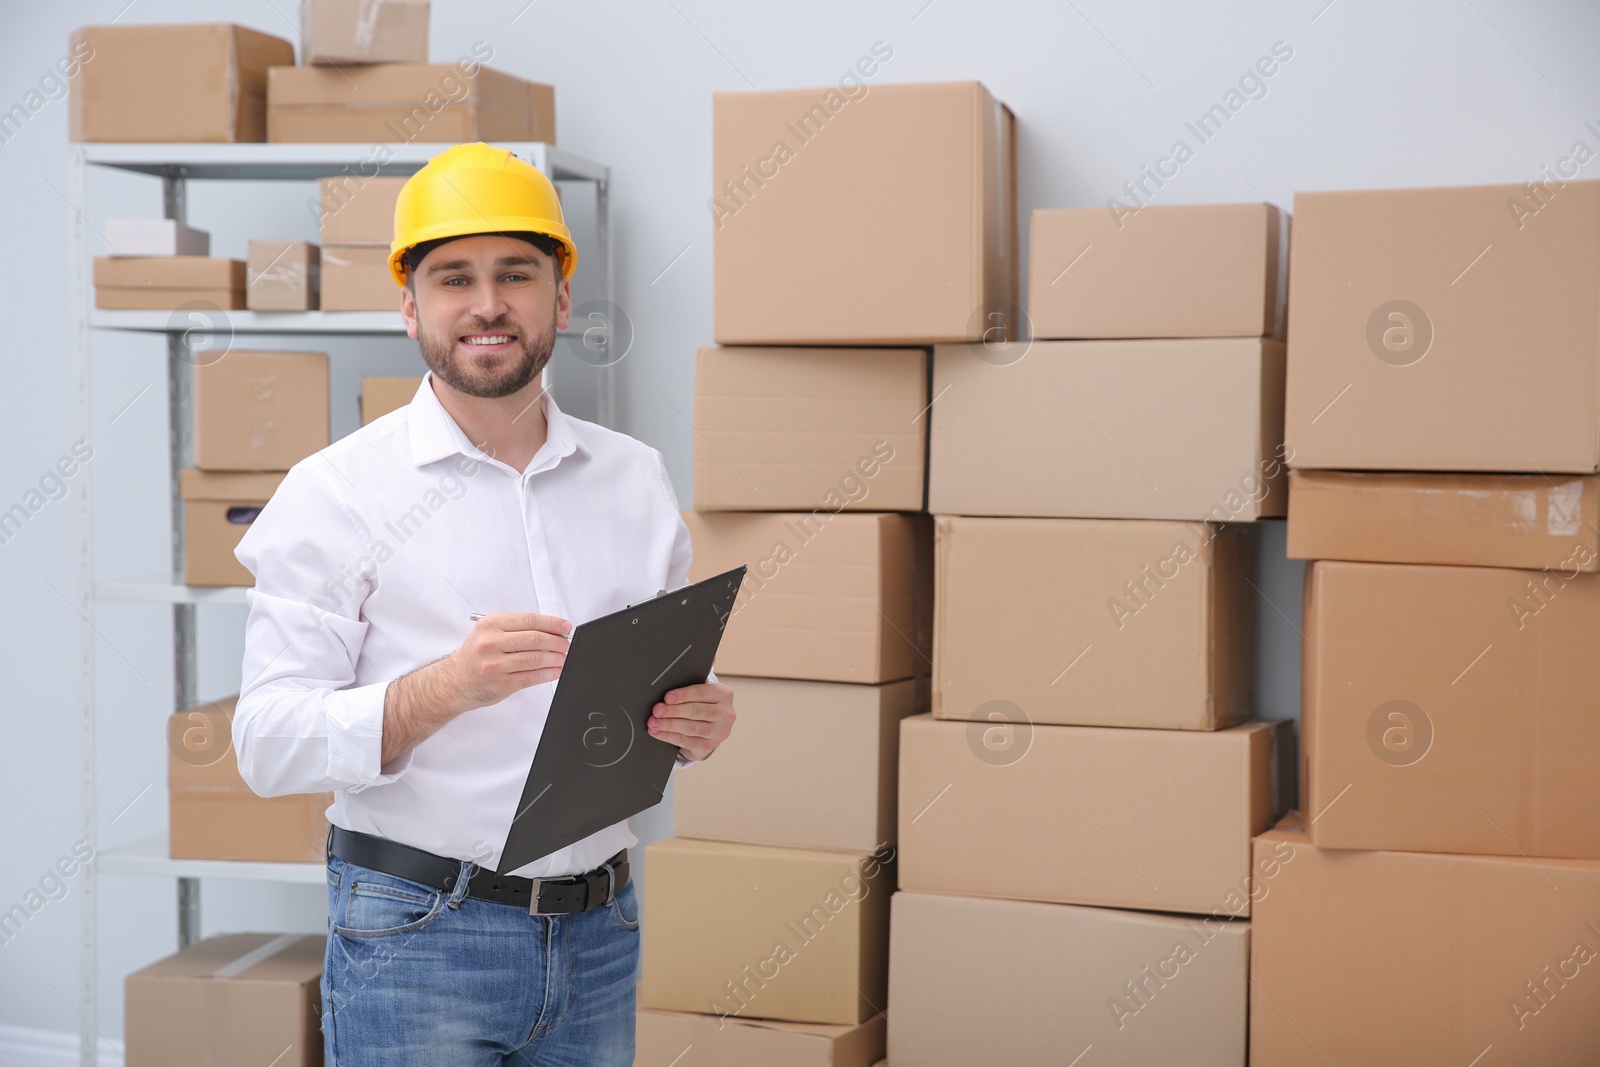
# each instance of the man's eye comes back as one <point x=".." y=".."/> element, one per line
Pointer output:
<point x="516" y="277"/>
<point x="457" y="278"/>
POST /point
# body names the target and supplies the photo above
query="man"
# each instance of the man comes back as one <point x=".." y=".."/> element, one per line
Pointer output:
<point x="363" y="674"/>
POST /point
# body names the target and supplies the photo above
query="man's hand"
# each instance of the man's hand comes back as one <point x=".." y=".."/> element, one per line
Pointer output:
<point x="502" y="655"/>
<point x="696" y="718"/>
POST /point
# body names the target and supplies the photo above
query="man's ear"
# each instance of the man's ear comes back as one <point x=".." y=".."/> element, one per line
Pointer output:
<point x="563" y="303"/>
<point x="408" y="307"/>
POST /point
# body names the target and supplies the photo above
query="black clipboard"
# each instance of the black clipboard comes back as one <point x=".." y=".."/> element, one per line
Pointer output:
<point x="597" y="763"/>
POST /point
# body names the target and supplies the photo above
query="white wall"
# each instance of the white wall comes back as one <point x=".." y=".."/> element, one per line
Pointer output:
<point x="1375" y="94"/>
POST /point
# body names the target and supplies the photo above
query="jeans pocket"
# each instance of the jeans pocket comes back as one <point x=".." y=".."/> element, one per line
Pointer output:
<point x="380" y="905"/>
<point x="624" y="908"/>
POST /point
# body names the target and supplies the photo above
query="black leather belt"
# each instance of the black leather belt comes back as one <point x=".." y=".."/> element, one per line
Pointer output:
<point x="540" y="896"/>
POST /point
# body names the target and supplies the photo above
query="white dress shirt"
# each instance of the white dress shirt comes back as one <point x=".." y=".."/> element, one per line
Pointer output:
<point x="368" y="560"/>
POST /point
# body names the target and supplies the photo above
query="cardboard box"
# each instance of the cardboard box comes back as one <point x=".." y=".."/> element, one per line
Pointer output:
<point x="1167" y="429"/>
<point x="768" y="933"/>
<point x="217" y="509"/>
<point x="155" y="237"/>
<point x="1033" y="985"/>
<point x="773" y="784"/>
<point x="354" y="210"/>
<point x="283" y="276"/>
<point x="866" y="215"/>
<point x="1446" y="329"/>
<point x="831" y="597"/>
<point x="187" y="82"/>
<point x="236" y="998"/>
<point x="335" y="32"/>
<point x="1451" y="709"/>
<point x="167" y="283"/>
<point x="379" y="396"/>
<point x="1479" y="520"/>
<point x="356" y="278"/>
<point x="1483" y="952"/>
<point x="1093" y="622"/>
<point x="1184" y="270"/>
<point x="214" y="815"/>
<point x="401" y="103"/>
<point x="260" y="411"/>
<point x="1158" y="820"/>
<point x="683" y="1039"/>
<point x="797" y="428"/>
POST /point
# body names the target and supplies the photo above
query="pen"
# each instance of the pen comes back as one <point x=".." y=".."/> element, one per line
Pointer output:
<point x="478" y="615"/>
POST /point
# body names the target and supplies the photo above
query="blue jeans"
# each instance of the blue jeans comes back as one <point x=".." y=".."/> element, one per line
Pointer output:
<point x="415" y="975"/>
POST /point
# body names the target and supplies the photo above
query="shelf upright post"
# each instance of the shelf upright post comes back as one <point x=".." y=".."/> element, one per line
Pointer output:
<point x="180" y="416"/>
<point x="606" y="403"/>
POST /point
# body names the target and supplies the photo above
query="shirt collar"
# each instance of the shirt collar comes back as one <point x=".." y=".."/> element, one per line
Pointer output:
<point x="435" y="435"/>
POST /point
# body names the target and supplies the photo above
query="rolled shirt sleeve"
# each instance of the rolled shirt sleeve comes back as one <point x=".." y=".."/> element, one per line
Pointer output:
<point x="301" y="724"/>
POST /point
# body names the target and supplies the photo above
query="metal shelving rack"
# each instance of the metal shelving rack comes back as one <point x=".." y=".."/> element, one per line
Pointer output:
<point x="175" y="165"/>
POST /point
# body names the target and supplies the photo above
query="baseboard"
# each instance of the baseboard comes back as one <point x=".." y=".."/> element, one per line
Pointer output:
<point x="26" y="1046"/>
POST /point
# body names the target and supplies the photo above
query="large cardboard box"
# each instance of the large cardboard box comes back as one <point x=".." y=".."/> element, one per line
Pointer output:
<point x="773" y="784"/>
<point x="260" y="411"/>
<point x="336" y="32"/>
<point x="354" y="210"/>
<point x="166" y="283"/>
<point x="684" y="1039"/>
<point x="831" y="597"/>
<point x="217" y="509"/>
<point x="1451" y="709"/>
<point x="1490" y="956"/>
<point x="188" y="82"/>
<point x="379" y="396"/>
<point x="1183" y="270"/>
<point x="235" y="998"/>
<point x="401" y="103"/>
<point x="1158" y="820"/>
<point x="1446" y="329"/>
<point x="283" y="276"/>
<point x="1093" y="622"/>
<point x="1480" y="520"/>
<point x="767" y="933"/>
<point x="866" y="214"/>
<point x="793" y="428"/>
<point x="214" y="815"/>
<point x="977" y="982"/>
<point x="357" y="278"/>
<point x="1165" y="429"/>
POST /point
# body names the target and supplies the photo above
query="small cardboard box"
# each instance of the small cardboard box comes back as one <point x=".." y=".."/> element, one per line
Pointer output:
<point x="235" y="998"/>
<point x="214" y="815"/>
<point x="379" y="396"/>
<point x="773" y="784"/>
<point x="831" y="597"/>
<point x="167" y="283"/>
<point x="335" y="32"/>
<point x="1451" y="709"/>
<point x="260" y="411"/>
<point x="187" y="82"/>
<point x="1484" y="952"/>
<point x="1478" y="520"/>
<point x="155" y="237"/>
<point x="217" y="509"/>
<point x="1187" y="270"/>
<point x="1093" y="622"/>
<point x="353" y="210"/>
<point x="1446" y="329"/>
<point x="356" y="278"/>
<point x="1166" y="429"/>
<point x="866" y="214"/>
<point x="283" y="276"/>
<point x="769" y="933"/>
<point x="685" y="1039"/>
<point x="784" y="429"/>
<point x="1158" y="820"/>
<point x="400" y="103"/>
<point x="974" y="981"/>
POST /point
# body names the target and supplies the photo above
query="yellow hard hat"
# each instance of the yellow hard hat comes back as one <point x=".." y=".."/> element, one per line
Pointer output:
<point x="471" y="189"/>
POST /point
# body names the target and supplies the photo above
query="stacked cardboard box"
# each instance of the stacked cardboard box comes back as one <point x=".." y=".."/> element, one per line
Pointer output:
<point x="357" y="223"/>
<point x="1080" y="803"/>
<point x="283" y="276"/>
<point x="1445" y="434"/>
<point x="379" y="396"/>
<point x="810" y="428"/>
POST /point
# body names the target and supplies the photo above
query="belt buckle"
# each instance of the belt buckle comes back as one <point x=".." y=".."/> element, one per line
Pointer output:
<point x="533" y="900"/>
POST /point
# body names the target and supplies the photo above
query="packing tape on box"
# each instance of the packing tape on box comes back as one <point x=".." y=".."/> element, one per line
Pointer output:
<point x="256" y="955"/>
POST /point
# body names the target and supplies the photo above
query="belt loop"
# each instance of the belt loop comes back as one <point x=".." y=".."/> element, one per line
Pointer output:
<point x="611" y="884"/>
<point x="327" y="845"/>
<point x="463" y="882"/>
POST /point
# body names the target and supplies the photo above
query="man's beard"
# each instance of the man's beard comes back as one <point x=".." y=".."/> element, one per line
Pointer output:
<point x="442" y="359"/>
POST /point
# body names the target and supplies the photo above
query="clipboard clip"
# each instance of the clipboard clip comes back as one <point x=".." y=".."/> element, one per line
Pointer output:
<point x="646" y="600"/>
